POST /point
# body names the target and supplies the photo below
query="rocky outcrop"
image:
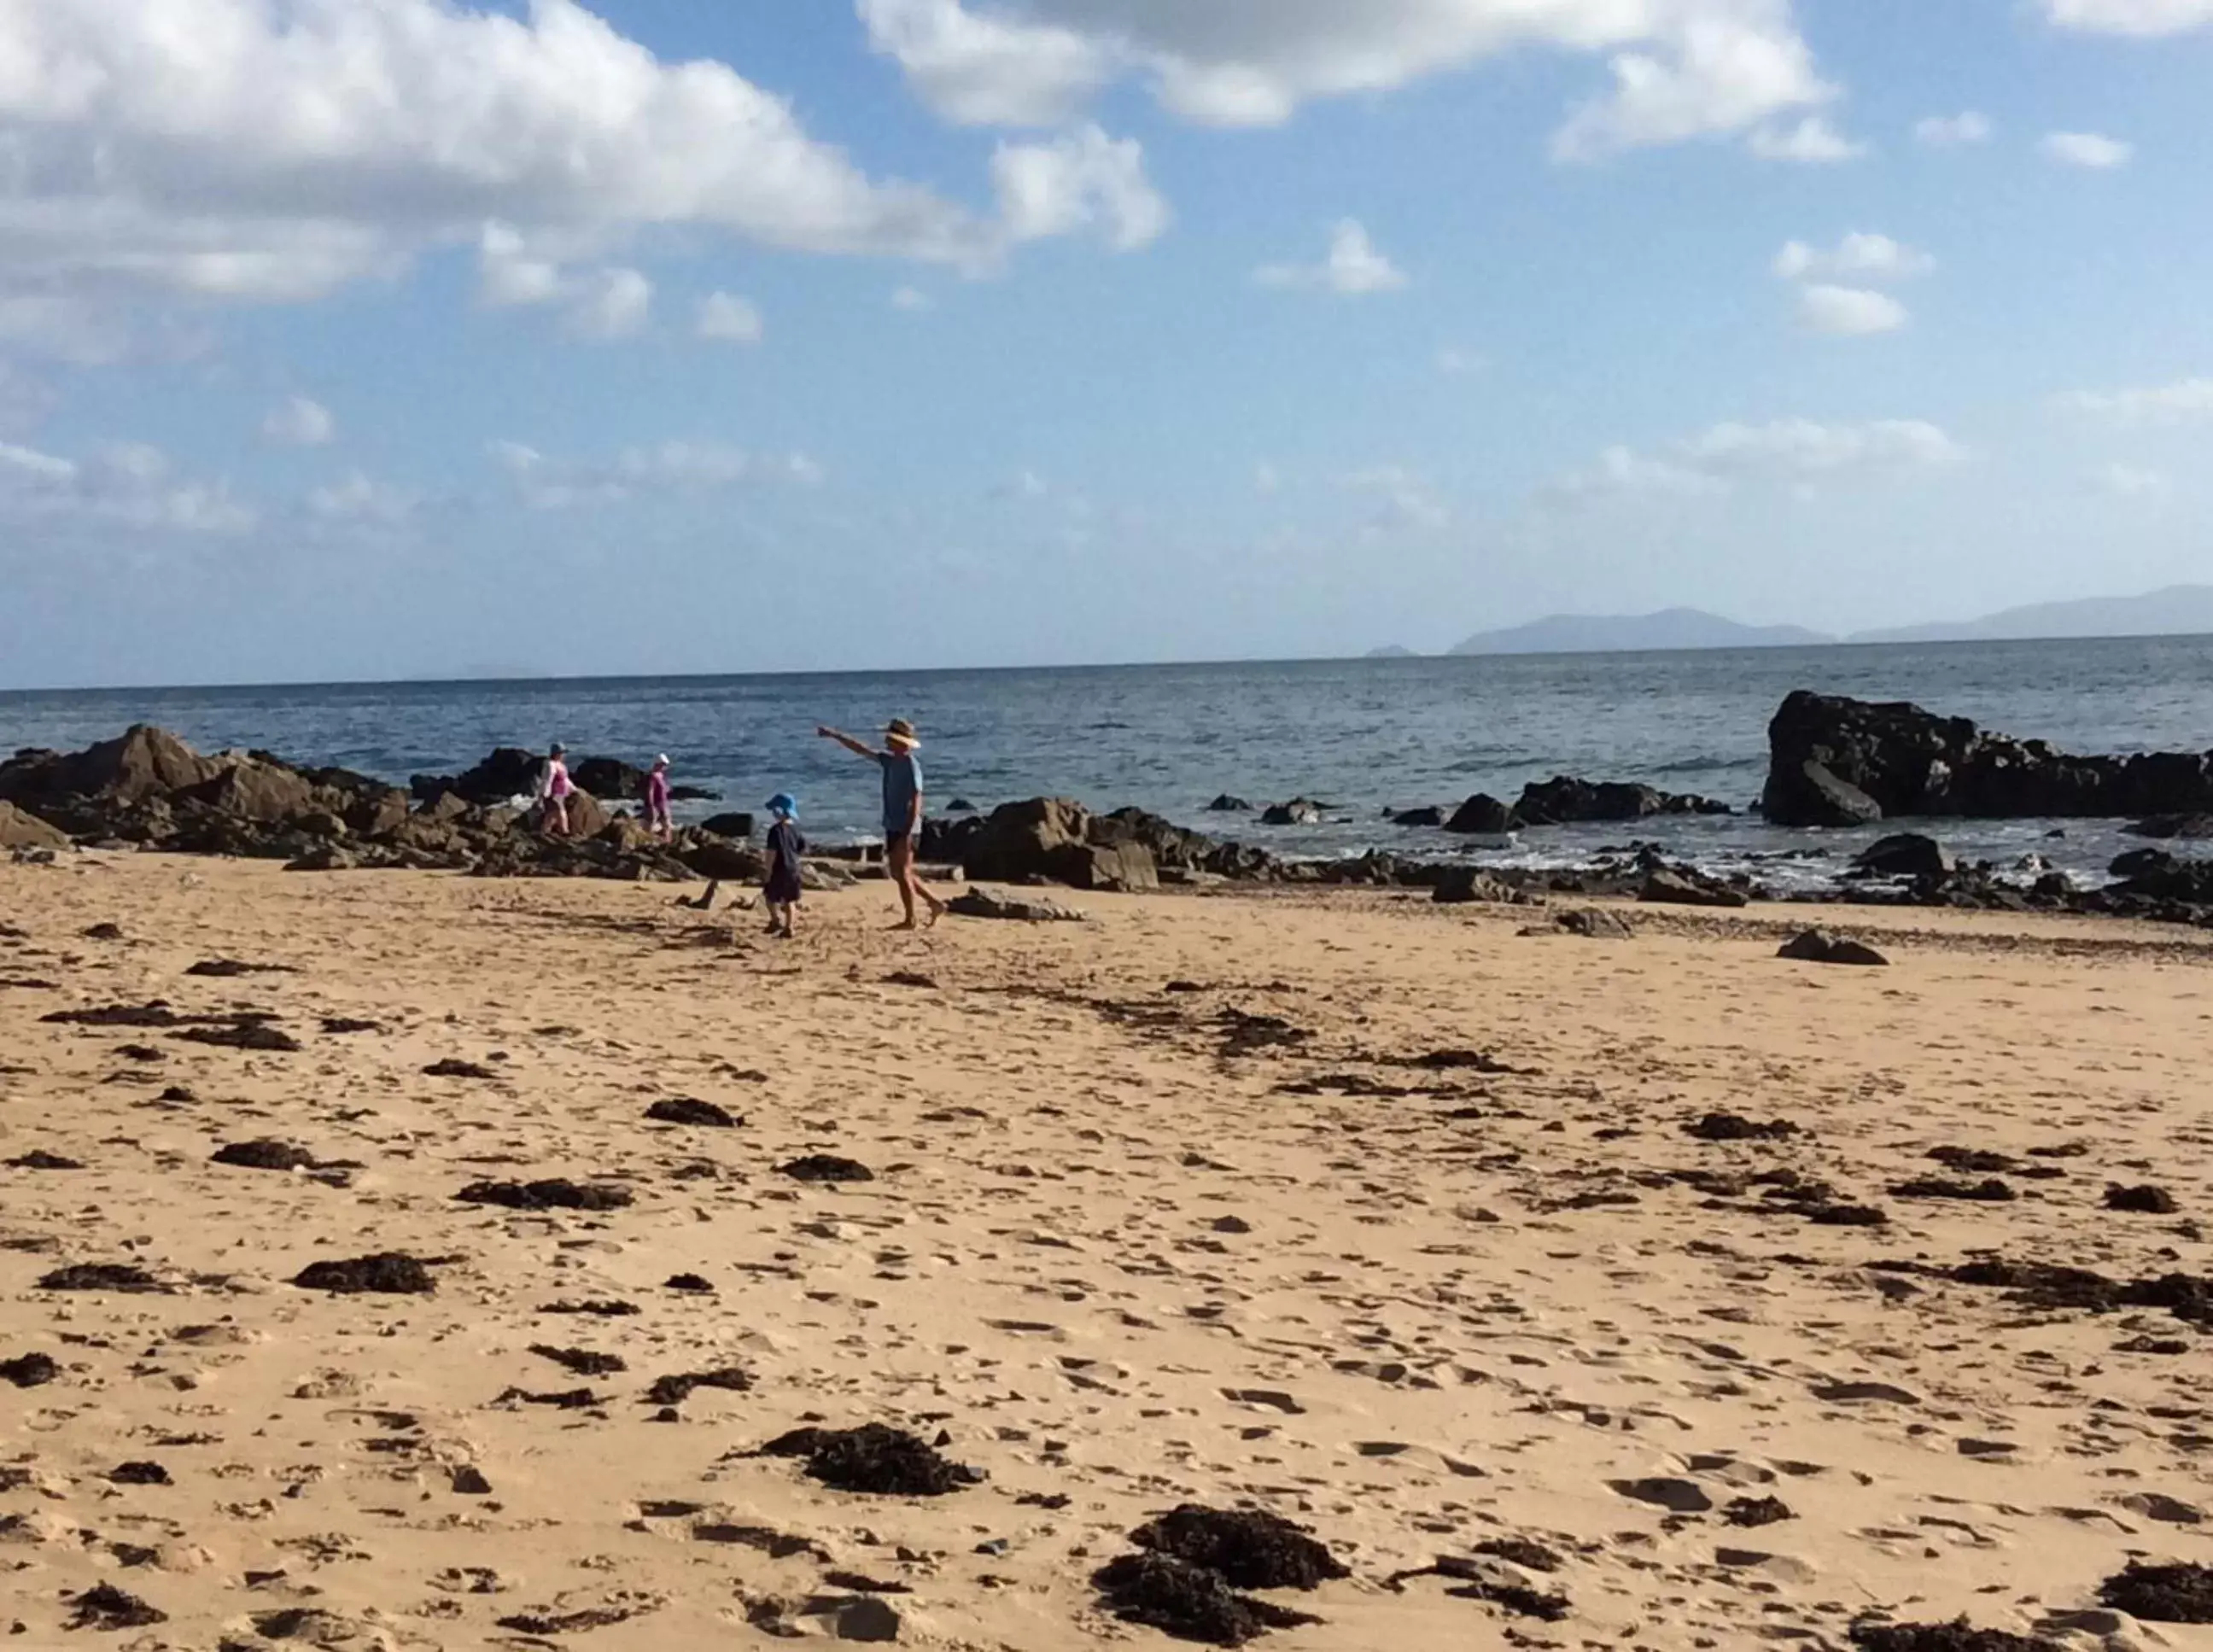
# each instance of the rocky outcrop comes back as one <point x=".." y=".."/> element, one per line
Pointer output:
<point x="1484" y="815"/>
<point x="1834" y="761"/>
<point x="1905" y="854"/>
<point x="19" y="830"/>
<point x="1300" y="811"/>
<point x="509" y="772"/>
<point x="2172" y="826"/>
<point x="1565" y="800"/>
<point x="1431" y="816"/>
<point x="1057" y="840"/>
<point x="1678" y="885"/>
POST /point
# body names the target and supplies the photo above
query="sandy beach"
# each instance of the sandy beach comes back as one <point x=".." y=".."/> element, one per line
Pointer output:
<point x="1381" y="1216"/>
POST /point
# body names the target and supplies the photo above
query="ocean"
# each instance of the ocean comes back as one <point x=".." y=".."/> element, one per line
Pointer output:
<point x="1362" y="735"/>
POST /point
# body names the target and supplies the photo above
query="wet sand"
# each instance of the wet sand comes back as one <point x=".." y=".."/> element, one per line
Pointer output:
<point x="1385" y="1219"/>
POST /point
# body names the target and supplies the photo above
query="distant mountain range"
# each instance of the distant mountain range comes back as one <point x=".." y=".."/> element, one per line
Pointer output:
<point x="1671" y="628"/>
<point x="2178" y="610"/>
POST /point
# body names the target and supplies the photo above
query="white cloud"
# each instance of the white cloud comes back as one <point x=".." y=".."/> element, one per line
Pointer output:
<point x="912" y="300"/>
<point x="358" y="498"/>
<point x="1798" y="453"/>
<point x="1850" y="311"/>
<point x="2129" y="481"/>
<point x="1082" y="181"/>
<point x="2146" y="18"/>
<point x="124" y="484"/>
<point x="1952" y="131"/>
<point x="162" y="151"/>
<point x="2088" y="150"/>
<point x="298" y="422"/>
<point x="1858" y="255"/>
<point x="1680" y="69"/>
<point x="1459" y="363"/>
<point x="613" y="303"/>
<point x="1023" y="484"/>
<point x="1266" y="478"/>
<point x="725" y="318"/>
<point x="545" y="484"/>
<point x="1810" y="142"/>
<point x="2186" y="399"/>
<point x="1404" y="498"/>
<point x="1352" y="267"/>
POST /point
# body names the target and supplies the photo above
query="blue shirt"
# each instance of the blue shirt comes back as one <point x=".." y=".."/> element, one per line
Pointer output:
<point x="902" y="785"/>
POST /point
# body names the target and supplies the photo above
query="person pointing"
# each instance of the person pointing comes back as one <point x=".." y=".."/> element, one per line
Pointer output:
<point x="902" y="777"/>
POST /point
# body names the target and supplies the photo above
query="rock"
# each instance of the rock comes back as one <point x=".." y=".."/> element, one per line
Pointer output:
<point x="979" y="903"/>
<point x="1819" y="946"/>
<point x="2171" y="826"/>
<point x="1020" y="841"/>
<point x="1565" y="800"/>
<point x="143" y="763"/>
<point x="2137" y="863"/>
<point x="1125" y="867"/>
<point x="509" y="772"/>
<point x="1905" y="854"/>
<point x="1300" y="811"/>
<point x="960" y="806"/>
<point x="1169" y="843"/>
<point x="610" y="776"/>
<point x="1461" y="885"/>
<point x="1903" y="760"/>
<point x="1484" y="815"/>
<point x="323" y="857"/>
<point x="264" y="793"/>
<point x="1226" y="804"/>
<point x="718" y="857"/>
<point x="1418" y="817"/>
<point x="738" y="827"/>
<point x="21" y="829"/>
<point x="1672" y="887"/>
<point x="381" y="811"/>
<point x="1594" y="926"/>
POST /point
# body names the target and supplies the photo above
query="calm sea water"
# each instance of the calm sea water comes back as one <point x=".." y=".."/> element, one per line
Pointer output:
<point x="1361" y="734"/>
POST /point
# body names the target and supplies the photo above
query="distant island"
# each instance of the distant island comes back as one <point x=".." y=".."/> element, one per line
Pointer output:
<point x="1671" y="628"/>
<point x="2175" y="611"/>
<point x="1392" y="651"/>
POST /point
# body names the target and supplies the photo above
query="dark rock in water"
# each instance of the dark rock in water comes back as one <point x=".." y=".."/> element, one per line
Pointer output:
<point x="1672" y="887"/>
<point x="104" y="1606"/>
<point x="1226" y="804"/>
<point x="2167" y="879"/>
<point x="266" y="1155"/>
<point x="826" y="1167"/>
<point x="1819" y="946"/>
<point x="390" y="1273"/>
<point x="1907" y="855"/>
<point x="2137" y="863"/>
<point x="1188" y="1602"/>
<point x="690" y="1110"/>
<point x="2177" y="1593"/>
<point x="738" y="826"/>
<point x="960" y="806"/>
<point x="1484" y="815"/>
<point x="1944" y="1637"/>
<point x="675" y="1390"/>
<point x="241" y="1035"/>
<point x="509" y="772"/>
<point x="2171" y="826"/>
<point x="1418" y="817"/>
<point x="875" y="1459"/>
<point x="101" y="1275"/>
<point x="1565" y="800"/>
<point x="1250" y="1548"/>
<point x="1300" y="811"/>
<point x="552" y="1193"/>
<point x="29" y="1370"/>
<point x="1906" y="761"/>
<point x="610" y="777"/>
<point x="2146" y="1200"/>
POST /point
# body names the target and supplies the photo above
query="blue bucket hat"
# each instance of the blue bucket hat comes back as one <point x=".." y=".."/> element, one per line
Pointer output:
<point x="785" y="804"/>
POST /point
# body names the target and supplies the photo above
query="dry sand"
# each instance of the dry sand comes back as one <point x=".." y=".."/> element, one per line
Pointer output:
<point x="1106" y="1252"/>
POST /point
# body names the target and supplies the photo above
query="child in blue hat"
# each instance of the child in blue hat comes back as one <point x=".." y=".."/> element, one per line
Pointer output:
<point x="780" y="893"/>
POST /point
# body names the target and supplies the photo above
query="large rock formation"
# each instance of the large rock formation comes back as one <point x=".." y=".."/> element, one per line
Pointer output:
<point x="1565" y="800"/>
<point x="1834" y="761"/>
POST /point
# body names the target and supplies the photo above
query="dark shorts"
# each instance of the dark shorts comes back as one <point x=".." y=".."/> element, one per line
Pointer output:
<point x="897" y="838"/>
<point x="783" y="890"/>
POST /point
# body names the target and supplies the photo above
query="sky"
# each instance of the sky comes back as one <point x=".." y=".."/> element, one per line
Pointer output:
<point x="346" y="339"/>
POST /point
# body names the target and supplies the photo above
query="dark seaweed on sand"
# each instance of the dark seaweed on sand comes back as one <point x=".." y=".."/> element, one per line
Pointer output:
<point x="675" y="1390"/>
<point x="105" y="1606"/>
<point x="581" y="1361"/>
<point x="39" y="1158"/>
<point x="690" y="1110"/>
<point x="874" y="1458"/>
<point x="388" y="1273"/>
<point x="1251" y="1548"/>
<point x="264" y="1155"/>
<point x="2182" y="1593"/>
<point x="556" y="1193"/>
<point x="29" y="1370"/>
<point x="101" y="1275"/>
<point x="1957" y="1637"/>
<point x="241" y="1035"/>
<point x="1734" y="1127"/>
<point x="826" y="1167"/>
<point x="1187" y="1601"/>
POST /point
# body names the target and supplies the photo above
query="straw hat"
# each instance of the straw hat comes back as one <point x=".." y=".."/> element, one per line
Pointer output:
<point x="901" y="733"/>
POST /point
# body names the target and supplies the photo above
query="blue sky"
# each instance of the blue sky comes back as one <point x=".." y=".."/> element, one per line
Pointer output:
<point x="353" y="338"/>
